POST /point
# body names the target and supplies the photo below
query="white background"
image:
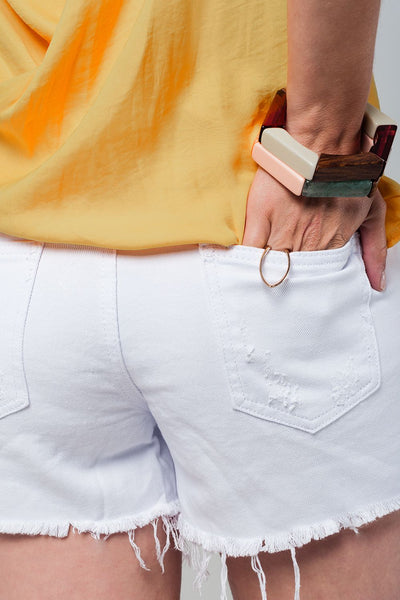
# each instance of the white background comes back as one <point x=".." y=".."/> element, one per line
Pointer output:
<point x="386" y="73"/>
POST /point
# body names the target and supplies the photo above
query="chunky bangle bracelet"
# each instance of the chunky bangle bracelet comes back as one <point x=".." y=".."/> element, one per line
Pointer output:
<point x="307" y="173"/>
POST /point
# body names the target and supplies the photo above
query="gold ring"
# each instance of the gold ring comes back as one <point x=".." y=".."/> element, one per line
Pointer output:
<point x="264" y="254"/>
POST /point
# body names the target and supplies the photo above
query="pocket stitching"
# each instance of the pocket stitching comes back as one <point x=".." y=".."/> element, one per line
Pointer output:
<point x="306" y="259"/>
<point x="36" y="255"/>
<point x="17" y="399"/>
<point x="214" y="288"/>
<point x="233" y="371"/>
<point x="373" y="381"/>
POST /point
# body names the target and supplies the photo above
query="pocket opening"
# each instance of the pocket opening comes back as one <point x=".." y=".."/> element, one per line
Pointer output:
<point x="300" y="260"/>
<point x="302" y="354"/>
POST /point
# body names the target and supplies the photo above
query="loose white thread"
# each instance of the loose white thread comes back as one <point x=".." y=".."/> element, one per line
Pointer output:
<point x="202" y="572"/>
<point x="256" y="566"/>
<point x="224" y="576"/>
<point x="156" y="540"/>
<point x="131" y="535"/>
<point x="167" y="528"/>
<point x="296" y="574"/>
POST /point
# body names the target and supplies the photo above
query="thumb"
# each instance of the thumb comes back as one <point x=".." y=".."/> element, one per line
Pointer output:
<point x="373" y="242"/>
<point x="257" y="226"/>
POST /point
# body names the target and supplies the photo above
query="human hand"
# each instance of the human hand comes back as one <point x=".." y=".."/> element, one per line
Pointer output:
<point x="281" y="219"/>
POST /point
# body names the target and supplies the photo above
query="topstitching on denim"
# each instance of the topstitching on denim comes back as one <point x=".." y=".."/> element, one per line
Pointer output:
<point x="14" y="392"/>
<point x="244" y="359"/>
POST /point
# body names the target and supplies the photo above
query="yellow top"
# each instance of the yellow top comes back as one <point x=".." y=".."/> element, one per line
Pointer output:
<point x="129" y="124"/>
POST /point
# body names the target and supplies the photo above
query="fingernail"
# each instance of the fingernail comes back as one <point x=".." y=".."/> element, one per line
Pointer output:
<point x="383" y="281"/>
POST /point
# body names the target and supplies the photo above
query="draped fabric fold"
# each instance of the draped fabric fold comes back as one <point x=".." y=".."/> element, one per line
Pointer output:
<point x="129" y="123"/>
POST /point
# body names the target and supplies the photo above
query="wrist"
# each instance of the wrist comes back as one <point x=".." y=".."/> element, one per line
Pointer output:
<point x="329" y="122"/>
<point x="325" y="139"/>
<point x="314" y="160"/>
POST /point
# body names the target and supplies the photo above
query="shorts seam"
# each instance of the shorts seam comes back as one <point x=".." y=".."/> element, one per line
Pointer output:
<point x="118" y="336"/>
<point x="32" y="276"/>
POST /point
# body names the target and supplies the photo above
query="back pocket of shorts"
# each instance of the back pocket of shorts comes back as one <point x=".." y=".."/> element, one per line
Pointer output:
<point x="18" y="265"/>
<point x="301" y="354"/>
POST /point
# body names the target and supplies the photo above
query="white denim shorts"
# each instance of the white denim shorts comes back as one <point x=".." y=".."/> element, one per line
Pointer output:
<point x="173" y="384"/>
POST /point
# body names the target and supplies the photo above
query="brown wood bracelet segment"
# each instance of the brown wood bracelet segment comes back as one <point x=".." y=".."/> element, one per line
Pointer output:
<point x="349" y="167"/>
<point x="276" y="115"/>
<point x="384" y="136"/>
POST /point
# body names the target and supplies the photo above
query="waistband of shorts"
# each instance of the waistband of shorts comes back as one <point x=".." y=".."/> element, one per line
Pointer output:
<point x="13" y="244"/>
<point x="311" y="259"/>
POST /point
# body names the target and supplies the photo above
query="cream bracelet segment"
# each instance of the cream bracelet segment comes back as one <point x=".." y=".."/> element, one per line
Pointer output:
<point x="285" y="148"/>
<point x="305" y="172"/>
<point x="278" y="169"/>
<point x="374" y="118"/>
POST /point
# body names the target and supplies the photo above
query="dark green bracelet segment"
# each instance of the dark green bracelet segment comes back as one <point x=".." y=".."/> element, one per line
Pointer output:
<point x="332" y="189"/>
<point x="308" y="173"/>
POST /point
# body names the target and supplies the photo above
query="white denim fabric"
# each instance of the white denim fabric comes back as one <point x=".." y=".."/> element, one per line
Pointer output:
<point x="174" y="384"/>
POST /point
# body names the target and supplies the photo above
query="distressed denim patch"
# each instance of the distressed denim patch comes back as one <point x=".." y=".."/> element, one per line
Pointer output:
<point x="304" y="353"/>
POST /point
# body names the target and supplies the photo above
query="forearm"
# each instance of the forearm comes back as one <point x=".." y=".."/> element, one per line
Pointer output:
<point x="331" y="48"/>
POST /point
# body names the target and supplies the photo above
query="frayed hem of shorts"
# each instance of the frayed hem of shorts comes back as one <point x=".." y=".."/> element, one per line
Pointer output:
<point x="167" y="512"/>
<point x="198" y="546"/>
